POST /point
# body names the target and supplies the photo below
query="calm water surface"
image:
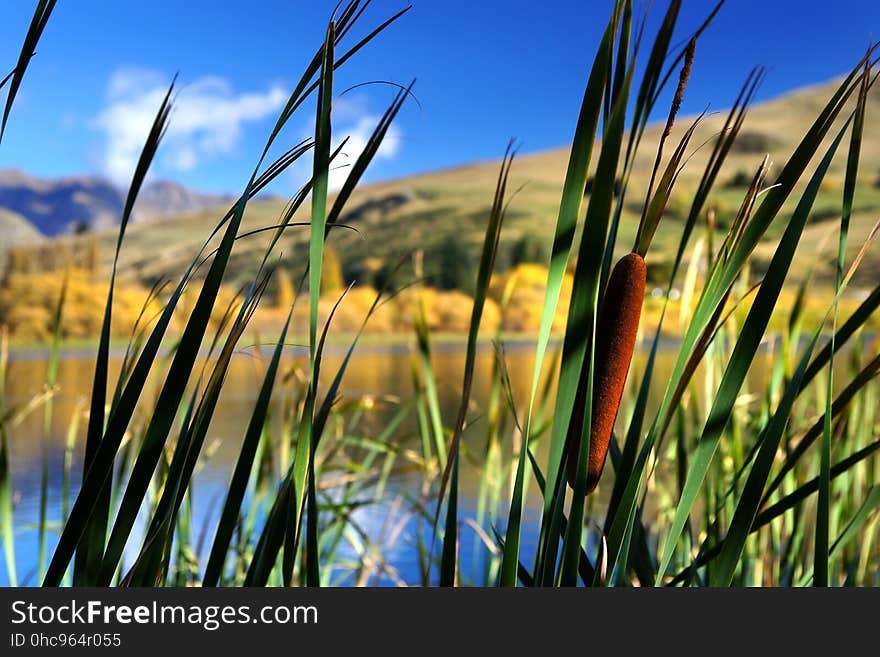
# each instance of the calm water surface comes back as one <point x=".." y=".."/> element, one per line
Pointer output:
<point x="385" y="373"/>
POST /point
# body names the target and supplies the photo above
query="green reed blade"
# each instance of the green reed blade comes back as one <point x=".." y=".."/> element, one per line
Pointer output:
<point x="91" y="546"/>
<point x="148" y="566"/>
<point x="849" y="328"/>
<point x="187" y="452"/>
<point x="715" y="294"/>
<point x="725" y="565"/>
<point x="319" y="188"/>
<point x="871" y="503"/>
<point x="286" y="513"/>
<point x="484" y="274"/>
<point x="566" y="224"/>
<point x="243" y="466"/>
<point x="804" y="491"/>
<point x="823" y="510"/>
<point x="569" y="210"/>
<point x="788" y="502"/>
<point x="51" y="380"/>
<point x="577" y="350"/>
<point x="366" y="156"/>
<point x="7" y="525"/>
<point x="743" y="354"/>
<point x="32" y="36"/>
<point x="448" y="560"/>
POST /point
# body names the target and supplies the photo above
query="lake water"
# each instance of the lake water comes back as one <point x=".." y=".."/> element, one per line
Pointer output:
<point x="384" y="372"/>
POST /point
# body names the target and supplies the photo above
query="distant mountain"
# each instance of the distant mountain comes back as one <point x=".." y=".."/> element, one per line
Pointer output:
<point x="66" y="205"/>
<point x="165" y="198"/>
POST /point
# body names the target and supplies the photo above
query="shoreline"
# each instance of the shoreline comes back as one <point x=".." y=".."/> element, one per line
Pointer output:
<point x="379" y="344"/>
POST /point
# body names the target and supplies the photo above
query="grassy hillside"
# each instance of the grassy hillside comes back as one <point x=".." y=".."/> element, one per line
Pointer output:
<point x="16" y="231"/>
<point x="429" y="211"/>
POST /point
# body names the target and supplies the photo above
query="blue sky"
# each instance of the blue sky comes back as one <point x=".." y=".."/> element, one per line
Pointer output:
<point x="486" y="71"/>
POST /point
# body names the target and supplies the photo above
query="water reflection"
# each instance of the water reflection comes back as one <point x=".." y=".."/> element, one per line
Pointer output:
<point x="384" y="373"/>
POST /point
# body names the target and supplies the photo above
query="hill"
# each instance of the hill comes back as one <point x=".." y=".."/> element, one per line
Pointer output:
<point x="16" y="231"/>
<point x="447" y="209"/>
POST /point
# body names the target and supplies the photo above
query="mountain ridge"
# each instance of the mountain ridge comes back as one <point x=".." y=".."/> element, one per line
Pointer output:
<point x="77" y="203"/>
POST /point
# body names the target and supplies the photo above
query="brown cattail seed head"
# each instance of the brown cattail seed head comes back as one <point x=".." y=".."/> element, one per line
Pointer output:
<point x="682" y="85"/>
<point x="616" y="329"/>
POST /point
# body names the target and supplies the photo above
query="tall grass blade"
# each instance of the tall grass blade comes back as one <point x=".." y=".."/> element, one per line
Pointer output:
<point x="577" y="370"/>
<point x="450" y="536"/>
<point x="850" y="327"/>
<point x="32" y="36"/>
<point x="823" y="510"/>
<point x="90" y="548"/>
<point x="484" y="274"/>
<point x="724" y="566"/>
<point x="151" y="568"/>
<point x="849" y="533"/>
<point x="843" y="400"/>
<point x="284" y="518"/>
<point x="569" y="210"/>
<point x="6" y="502"/>
<point x="51" y="380"/>
<point x="742" y="356"/>
<point x="243" y="467"/>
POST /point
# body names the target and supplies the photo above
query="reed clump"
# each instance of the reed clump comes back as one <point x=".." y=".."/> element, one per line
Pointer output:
<point x="322" y="495"/>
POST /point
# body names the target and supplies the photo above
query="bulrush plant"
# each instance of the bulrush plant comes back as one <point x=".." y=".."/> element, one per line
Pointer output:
<point x="776" y="488"/>
<point x="616" y="331"/>
<point x="629" y="547"/>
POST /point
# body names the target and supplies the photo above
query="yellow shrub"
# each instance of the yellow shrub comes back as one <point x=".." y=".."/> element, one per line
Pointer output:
<point x="28" y="303"/>
<point x="527" y="285"/>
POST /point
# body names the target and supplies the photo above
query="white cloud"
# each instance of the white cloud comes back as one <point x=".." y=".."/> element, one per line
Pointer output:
<point x="358" y="133"/>
<point x="207" y="119"/>
<point x="128" y="82"/>
<point x="352" y="119"/>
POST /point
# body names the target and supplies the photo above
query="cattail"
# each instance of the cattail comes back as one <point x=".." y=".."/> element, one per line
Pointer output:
<point x="616" y="329"/>
<point x="683" y="78"/>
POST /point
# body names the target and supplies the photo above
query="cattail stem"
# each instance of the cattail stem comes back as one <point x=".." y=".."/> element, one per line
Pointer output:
<point x="616" y="330"/>
<point x="683" y="78"/>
